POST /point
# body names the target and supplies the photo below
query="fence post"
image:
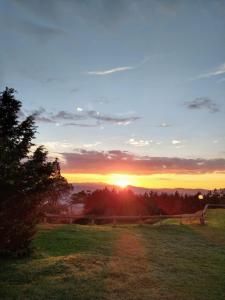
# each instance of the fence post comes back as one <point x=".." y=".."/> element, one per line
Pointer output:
<point x="92" y="220"/>
<point x="202" y="219"/>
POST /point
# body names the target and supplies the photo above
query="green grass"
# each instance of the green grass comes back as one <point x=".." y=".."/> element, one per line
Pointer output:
<point x="168" y="261"/>
<point x="70" y="262"/>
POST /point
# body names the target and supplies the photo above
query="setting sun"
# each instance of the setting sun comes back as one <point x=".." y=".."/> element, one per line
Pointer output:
<point x="122" y="183"/>
<point x="120" y="180"/>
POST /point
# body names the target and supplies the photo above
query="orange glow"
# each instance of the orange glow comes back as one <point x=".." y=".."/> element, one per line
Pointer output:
<point x="205" y="181"/>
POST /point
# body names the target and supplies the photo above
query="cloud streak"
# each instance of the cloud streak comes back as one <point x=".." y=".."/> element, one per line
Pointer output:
<point x="118" y="69"/>
<point x="116" y="161"/>
<point x="84" y="125"/>
<point x="119" y="120"/>
<point x="220" y="70"/>
<point x="110" y="71"/>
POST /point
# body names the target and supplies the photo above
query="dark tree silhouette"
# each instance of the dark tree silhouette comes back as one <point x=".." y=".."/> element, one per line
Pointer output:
<point x="79" y="197"/>
<point x="27" y="179"/>
<point x="107" y="202"/>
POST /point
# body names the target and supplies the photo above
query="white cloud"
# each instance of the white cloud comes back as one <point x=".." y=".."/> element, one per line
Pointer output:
<point x="110" y="71"/>
<point x="91" y="145"/>
<point x="176" y="142"/>
<point x="79" y="109"/>
<point x="164" y="125"/>
<point x="139" y="143"/>
<point x="118" y="69"/>
<point x="217" y="71"/>
<point x="55" y="146"/>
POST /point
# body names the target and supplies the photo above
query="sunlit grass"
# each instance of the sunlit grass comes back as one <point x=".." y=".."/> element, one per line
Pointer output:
<point x="169" y="261"/>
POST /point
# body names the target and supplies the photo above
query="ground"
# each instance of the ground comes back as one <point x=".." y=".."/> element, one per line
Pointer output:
<point x="167" y="261"/>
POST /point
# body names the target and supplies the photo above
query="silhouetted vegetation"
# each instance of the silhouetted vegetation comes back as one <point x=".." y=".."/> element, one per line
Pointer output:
<point x="126" y="203"/>
<point x="28" y="180"/>
<point x="79" y="197"/>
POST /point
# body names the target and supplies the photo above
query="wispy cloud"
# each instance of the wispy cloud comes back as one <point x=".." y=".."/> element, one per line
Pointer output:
<point x="32" y="27"/>
<point x="202" y="103"/>
<point x="110" y="71"/>
<point x="84" y="125"/>
<point x="119" y="120"/>
<point x="217" y="71"/>
<point x="117" y="69"/>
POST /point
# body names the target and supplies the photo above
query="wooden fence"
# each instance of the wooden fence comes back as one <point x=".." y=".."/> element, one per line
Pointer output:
<point x="141" y="219"/>
<point x="199" y="216"/>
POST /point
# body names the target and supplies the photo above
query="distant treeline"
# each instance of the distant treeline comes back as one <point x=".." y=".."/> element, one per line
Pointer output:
<point x="108" y="202"/>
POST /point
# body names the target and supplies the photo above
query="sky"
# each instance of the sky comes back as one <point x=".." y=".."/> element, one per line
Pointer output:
<point x="128" y="87"/>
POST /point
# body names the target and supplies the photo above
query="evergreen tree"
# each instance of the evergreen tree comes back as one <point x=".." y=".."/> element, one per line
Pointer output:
<point x="27" y="179"/>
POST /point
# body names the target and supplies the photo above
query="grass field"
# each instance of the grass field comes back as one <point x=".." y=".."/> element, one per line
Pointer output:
<point x="168" y="261"/>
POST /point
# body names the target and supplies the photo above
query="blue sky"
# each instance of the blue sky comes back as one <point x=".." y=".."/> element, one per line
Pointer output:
<point x="146" y="77"/>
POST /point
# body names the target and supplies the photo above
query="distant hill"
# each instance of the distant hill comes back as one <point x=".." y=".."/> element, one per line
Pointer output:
<point x="138" y="190"/>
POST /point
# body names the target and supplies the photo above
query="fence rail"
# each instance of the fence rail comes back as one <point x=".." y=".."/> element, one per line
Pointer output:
<point x="71" y="218"/>
<point x="114" y="219"/>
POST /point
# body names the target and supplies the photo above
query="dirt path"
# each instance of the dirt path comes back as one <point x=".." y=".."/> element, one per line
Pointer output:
<point x="129" y="277"/>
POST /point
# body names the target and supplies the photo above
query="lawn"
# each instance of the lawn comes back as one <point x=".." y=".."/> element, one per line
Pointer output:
<point x="168" y="261"/>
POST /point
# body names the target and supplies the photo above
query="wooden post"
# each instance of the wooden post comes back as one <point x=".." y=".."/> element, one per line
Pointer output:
<point x="92" y="220"/>
<point x="160" y="220"/>
<point x="202" y="219"/>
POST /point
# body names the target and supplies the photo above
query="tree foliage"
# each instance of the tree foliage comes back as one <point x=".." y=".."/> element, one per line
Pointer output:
<point x="108" y="202"/>
<point x="27" y="178"/>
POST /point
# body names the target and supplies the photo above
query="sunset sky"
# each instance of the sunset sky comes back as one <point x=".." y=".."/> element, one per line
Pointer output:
<point x="128" y="87"/>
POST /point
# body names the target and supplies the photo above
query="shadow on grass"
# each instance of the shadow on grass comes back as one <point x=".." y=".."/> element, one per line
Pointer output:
<point x="69" y="239"/>
<point x="70" y="263"/>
